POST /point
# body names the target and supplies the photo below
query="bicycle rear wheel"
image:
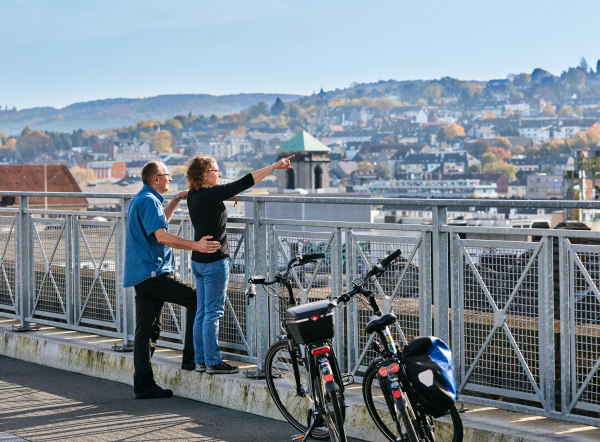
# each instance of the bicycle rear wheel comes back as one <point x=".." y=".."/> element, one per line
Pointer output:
<point x="292" y="400"/>
<point x="447" y="428"/>
<point x="381" y="408"/>
<point x="334" y="407"/>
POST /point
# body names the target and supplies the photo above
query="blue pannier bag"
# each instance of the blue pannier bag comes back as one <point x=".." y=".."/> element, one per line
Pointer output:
<point x="429" y="368"/>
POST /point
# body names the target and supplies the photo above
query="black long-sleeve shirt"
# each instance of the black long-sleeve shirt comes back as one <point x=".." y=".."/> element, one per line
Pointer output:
<point x="209" y="215"/>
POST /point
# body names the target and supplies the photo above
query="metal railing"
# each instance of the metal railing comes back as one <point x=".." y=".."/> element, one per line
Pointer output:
<point x="520" y="308"/>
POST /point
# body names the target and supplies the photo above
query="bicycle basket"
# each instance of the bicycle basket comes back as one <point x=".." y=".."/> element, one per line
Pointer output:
<point x="310" y="322"/>
<point x="428" y="363"/>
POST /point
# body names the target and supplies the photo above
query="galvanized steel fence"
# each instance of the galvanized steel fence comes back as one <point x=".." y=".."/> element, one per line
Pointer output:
<point x="520" y="308"/>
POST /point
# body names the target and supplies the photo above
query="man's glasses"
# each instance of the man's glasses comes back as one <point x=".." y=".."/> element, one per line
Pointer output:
<point x="163" y="174"/>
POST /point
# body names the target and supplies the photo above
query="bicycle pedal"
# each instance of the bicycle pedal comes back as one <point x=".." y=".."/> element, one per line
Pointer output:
<point x="347" y="378"/>
<point x="299" y="436"/>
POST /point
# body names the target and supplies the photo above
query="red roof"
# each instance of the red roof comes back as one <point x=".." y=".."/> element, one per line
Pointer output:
<point x="40" y="178"/>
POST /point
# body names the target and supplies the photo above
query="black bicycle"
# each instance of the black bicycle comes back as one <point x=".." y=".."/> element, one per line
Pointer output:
<point x="301" y="368"/>
<point x="398" y="402"/>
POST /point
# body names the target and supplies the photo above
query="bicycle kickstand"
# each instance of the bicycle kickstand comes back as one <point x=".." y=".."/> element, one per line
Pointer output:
<point x="304" y="436"/>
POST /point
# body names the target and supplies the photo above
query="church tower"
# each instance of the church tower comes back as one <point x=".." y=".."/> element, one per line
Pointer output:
<point x="310" y="166"/>
<point x="322" y="111"/>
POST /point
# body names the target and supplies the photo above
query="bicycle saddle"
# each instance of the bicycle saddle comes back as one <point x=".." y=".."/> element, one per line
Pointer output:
<point x="378" y="323"/>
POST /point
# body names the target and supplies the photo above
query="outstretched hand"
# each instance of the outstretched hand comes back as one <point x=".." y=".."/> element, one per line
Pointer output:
<point x="206" y="246"/>
<point x="284" y="163"/>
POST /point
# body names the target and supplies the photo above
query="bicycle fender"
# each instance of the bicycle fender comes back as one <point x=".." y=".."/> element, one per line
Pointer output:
<point x="331" y="386"/>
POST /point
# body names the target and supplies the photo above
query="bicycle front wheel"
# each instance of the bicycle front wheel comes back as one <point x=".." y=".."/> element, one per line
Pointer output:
<point x="291" y="398"/>
<point x="333" y="407"/>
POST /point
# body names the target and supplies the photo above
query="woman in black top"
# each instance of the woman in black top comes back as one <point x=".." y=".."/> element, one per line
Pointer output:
<point x="209" y="217"/>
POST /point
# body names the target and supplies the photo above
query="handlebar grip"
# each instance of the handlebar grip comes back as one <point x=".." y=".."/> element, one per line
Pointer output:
<point x="311" y="256"/>
<point x="257" y="279"/>
<point x="251" y="291"/>
<point x="386" y="261"/>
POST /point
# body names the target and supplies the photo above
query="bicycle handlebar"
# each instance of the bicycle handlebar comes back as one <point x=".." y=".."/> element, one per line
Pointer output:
<point x="296" y="261"/>
<point x="358" y="283"/>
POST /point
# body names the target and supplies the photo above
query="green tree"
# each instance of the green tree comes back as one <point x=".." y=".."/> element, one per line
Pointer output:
<point x="258" y="109"/>
<point x="295" y="111"/>
<point x="479" y="147"/>
<point x="433" y="92"/>
<point x="174" y="126"/>
<point x="574" y="78"/>
<point x="278" y="107"/>
<point x="383" y="170"/>
<point x="488" y="157"/>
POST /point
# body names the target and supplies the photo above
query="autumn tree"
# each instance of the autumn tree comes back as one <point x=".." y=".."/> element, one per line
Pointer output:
<point x="502" y="142"/>
<point x="83" y="176"/>
<point x="549" y="110"/>
<point x="532" y="152"/>
<point x="500" y="152"/>
<point x="518" y="150"/>
<point x="33" y="143"/>
<point x="240" y="131"/>
<point x="553" y="147"/>
<point x="433" y="92"/>
<point x="365" y="166"/>
<point x="451" y="131"/>
<point x="566" y="111"/>
<point x="162" y="141"/>
<point x="500" y="166"/>
<point x="179" y="170"/>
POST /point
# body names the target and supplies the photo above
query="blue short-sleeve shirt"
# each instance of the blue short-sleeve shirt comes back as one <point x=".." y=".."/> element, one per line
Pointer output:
<point x="145" y="257"/>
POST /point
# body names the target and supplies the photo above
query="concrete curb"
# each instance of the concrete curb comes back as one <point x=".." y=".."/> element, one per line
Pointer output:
<point x="93" y="355"/>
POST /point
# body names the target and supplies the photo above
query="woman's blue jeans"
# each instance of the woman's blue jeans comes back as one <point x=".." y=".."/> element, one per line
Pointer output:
<point x="211" y="285"/>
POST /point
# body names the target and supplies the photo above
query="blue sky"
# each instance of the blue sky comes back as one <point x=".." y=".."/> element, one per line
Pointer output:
<point x="58" y="52"/>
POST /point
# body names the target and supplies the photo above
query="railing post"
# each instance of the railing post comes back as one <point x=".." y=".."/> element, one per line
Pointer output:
<point x="337" y="285"/>
<point x="439" y="259"/>
<point x="262" y="301"/>
<point x="26" y="278"/>
<point x="251" y="313"/>
<point x="127" y="295"/>
<point x="546" y="323"/>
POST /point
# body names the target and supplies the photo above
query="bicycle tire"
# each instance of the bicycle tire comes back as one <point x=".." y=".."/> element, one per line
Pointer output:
<point x="447" y="428"/>
<point x="279" y="374"/>
<point x="377" y="406"/>
<point x="333" y="404"/>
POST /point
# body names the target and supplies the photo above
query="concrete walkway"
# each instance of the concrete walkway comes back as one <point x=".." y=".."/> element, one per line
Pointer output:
<point x="92" y="355"/>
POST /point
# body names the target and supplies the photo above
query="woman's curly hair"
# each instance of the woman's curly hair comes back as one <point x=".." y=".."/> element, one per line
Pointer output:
<point x="197" y="169"/>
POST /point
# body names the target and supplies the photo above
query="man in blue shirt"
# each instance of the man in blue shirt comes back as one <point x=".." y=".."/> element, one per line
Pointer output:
<point x="149" y="268"/>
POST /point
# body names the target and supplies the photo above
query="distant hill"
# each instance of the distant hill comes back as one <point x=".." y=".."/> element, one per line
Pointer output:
<point x="112" y="113"/>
